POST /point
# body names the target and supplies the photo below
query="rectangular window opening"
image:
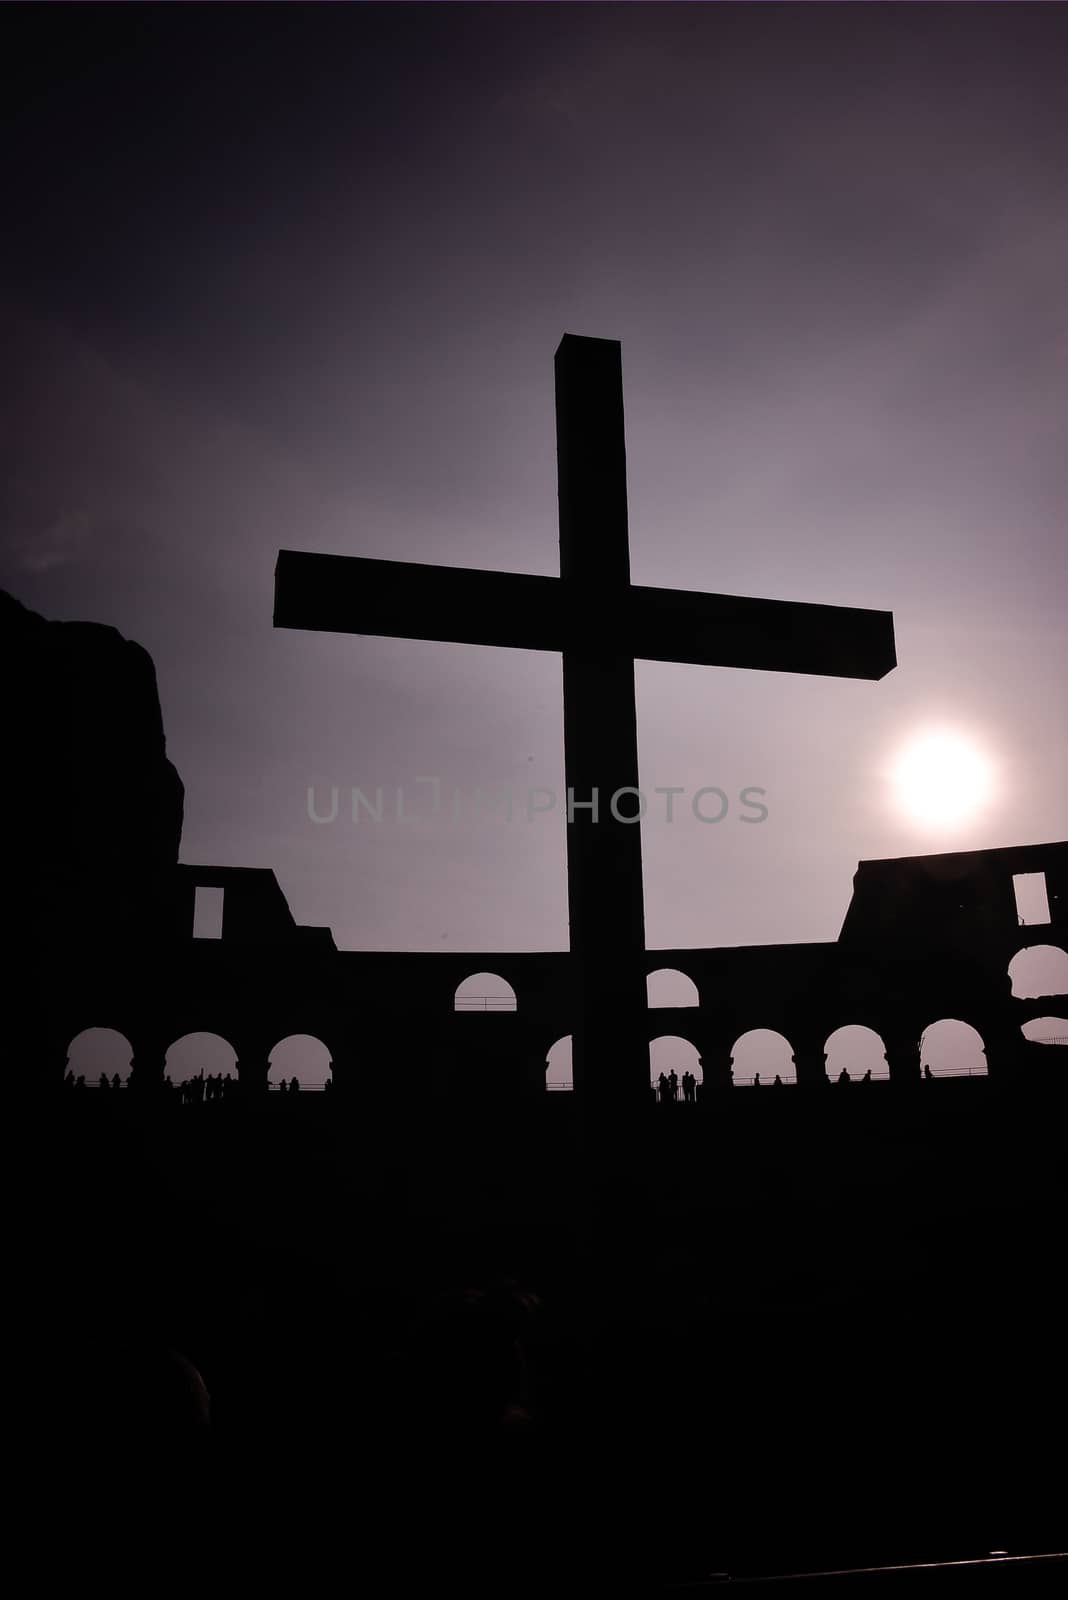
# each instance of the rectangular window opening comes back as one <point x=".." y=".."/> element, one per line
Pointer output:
<point x="1032" y="902"/>
<point x="208" y="913"/>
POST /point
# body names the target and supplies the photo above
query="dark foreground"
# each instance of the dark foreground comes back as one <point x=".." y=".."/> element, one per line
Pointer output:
<point x="482" y="1349"/>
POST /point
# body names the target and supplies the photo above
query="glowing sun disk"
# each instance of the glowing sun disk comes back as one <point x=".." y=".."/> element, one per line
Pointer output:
<point x="941" y="778"/>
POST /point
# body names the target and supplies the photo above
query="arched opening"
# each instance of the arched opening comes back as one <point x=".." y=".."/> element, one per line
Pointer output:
<point x="1046" y="1030"/>
<point x="760" y="1056"/>
<point x="1039" y="970"/>
<point x="196" y="1057"/>
<point x="484" y="991"/>
<point x="559" y="1074"/>
<point x="667" y="987"/>
<point x="300" y="1056"/>
<point x="669" y="1054"/>
<point x="99" y="1052"/>
<point x="952" y="1049"/>
<point x="857" y="1050"/>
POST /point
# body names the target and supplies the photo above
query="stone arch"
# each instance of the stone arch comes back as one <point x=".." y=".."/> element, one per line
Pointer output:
<point x="762" y="1051"/>
<point x="302" y="1056"/>
<point x="559" y="1072"/>
<point x="671" y="1051"/>
<point x="96" y="1051"/>
<point x="193" y="1053"/>
<point x="953" y="1049"/>
<point x="669" y="989"/>
<point x="856" y="1049"/>
<point x="1046" y="1030"/>
<point x="484" y="991"/>
<point x="1039" y="970"/>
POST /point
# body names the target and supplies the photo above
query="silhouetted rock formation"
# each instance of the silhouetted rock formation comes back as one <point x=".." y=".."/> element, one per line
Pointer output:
<point x="94" y="805"/>
<point x="97" y="806"/>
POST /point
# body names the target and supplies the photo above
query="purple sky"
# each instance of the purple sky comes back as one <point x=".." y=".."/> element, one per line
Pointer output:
<point x="295" y="277"/>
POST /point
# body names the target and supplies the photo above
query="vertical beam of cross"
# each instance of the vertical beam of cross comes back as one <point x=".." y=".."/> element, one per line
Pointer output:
<point x="604" y="855"/>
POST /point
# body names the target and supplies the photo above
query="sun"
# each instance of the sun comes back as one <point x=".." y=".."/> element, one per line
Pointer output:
<point x="941" y="778"/>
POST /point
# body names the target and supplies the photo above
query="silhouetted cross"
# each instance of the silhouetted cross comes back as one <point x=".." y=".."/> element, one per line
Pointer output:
<point x="601" y="623"/>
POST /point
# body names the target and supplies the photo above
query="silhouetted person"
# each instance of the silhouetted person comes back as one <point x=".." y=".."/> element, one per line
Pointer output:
<point x="867" y="1076"/>
<point x="294" y="1086"/>
<point x="329" y="1084"/>
<point x="79" y="1082"/>
<point x="756" y="1080"/>
<point x="843" y="1076"/>
<point x="105" y="1082"/>
<point x="776" y="1082"/>
<point x="282" y="1086"/>
<point x="928" y="1074"/>
<point x="662" y="1088"/>
<point x="673" y="1082"/>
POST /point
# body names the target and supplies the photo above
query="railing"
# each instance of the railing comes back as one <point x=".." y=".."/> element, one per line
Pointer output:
<point x="485" y="1002"/>
<point x="1026" y="1573"/>
<point x="958" y="1072"/>
<point x="176" y="1088"/>
<point x="568" y="1085"/>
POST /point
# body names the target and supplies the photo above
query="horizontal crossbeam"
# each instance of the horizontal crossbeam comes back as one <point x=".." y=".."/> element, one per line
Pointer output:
<point x="408" y="600"/>
<point x="729" y="630"/>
